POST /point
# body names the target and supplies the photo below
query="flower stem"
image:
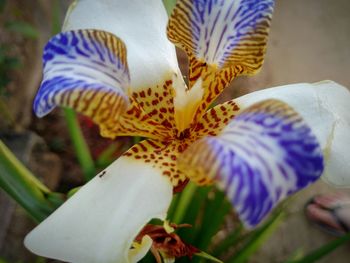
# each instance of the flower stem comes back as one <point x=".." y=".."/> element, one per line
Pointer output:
<point x="24" y="187"/>
<point x="81" y="149"/>
<point x="184" y="202"/>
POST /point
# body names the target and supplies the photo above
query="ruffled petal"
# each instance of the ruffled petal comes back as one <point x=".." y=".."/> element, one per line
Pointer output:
<point x="223" y="39"/>
<point x="223" y="33"/>
<point x="100" y="222"/>
<point x="263" y="155"/>
<point x="85" y="70"/>
<point x="142" y="27"/>
<point x="325" y="106"/>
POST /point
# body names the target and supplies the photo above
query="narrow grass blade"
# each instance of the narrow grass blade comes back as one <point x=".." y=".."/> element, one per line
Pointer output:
<point x="230" y="241"/>
<point x="256" y="239"/>
<point x="214" y="215"/>
<point x="106" y="157"/>
<point x="24" y="187"/>
<point x="184" y="202"/>
<point x="205" y="255"/>
<point x="173" y="207"/>
<point x="194" y="214"/>
<point x="323" y="251"/>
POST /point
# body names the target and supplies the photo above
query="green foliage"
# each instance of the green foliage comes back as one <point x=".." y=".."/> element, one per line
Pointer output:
<point x="24" y="187"/>
<point x="81" y="149"/>
<point x="2" y="5"/>
<point x="7" y="64"/>
<point x="169" y="5"/>
<point x="255" y="239"/>
<point x="205" y="208"/>
<point x="23" y="28"/>
<point x="319" y="253"/>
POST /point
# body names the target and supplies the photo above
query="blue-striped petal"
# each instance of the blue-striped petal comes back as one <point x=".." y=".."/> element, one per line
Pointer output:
<point x="142" y="27"/>
<point x="263" y="155"/>
<point x="85" y="70"/>
<point x="223" y="32"/>
<point x="223" y="39"/>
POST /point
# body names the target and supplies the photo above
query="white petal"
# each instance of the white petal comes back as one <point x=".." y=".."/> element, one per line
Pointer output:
<point x="325" y="106"/>
<point x="136" y="254"/>
<point x="99" y="223"/>
<point x="141" y="25"/>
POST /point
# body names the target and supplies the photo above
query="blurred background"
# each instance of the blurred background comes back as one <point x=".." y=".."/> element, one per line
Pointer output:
<point x="309" y="42"/>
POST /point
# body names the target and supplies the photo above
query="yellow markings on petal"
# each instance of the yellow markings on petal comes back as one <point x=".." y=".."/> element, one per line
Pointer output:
<point x="191" y="162"/>
<point x="151" y="114"/>
<point x="135" y="122"/>
<point x="215" y="119"/>
<point x="157" y="102"/>
<point x="186" y="103"/>
<point x="102" y="107"/>
<point x="162" y="155"/>
<point x="211" y="124"/>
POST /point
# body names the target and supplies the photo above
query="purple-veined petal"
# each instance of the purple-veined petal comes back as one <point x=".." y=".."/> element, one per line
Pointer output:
<point x="325" y="106"/>
<point x="223" y="39"/>
<point x="224" y="33"/>
<point x="151" y="58"/>
<point x="99" y="222"/>
<point x="85" y="70"/>
<point x="263" y="155"/>
<point x="142" y="27"/>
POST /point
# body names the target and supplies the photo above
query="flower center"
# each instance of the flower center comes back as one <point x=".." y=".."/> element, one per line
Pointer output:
<point x="183" y="135"/>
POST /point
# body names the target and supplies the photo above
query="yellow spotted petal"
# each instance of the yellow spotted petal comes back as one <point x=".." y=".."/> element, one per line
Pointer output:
<point x="163" y="156"/>
<point x="153" y="67"/>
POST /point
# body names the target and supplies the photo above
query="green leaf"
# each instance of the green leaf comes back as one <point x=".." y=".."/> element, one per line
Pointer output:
<point x="55" y="14"/>
<point x="23" y="28"/>
<point x="106" y="157"/>
<point x="173" y="207"/>
<point x="214" y="215"/>
<point x="184" y="202"/>
<point x="73" y="191"/>
<point x="24" y="187"/>
<point x="256" y="239"/>
<point x="323" y="251"/>
<point x="204" y="255"/>
<point x="2" y="5"/>
<point x="230" y="241"/>
<point x="194" y="214"/>
<point x="11" y="62"/>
